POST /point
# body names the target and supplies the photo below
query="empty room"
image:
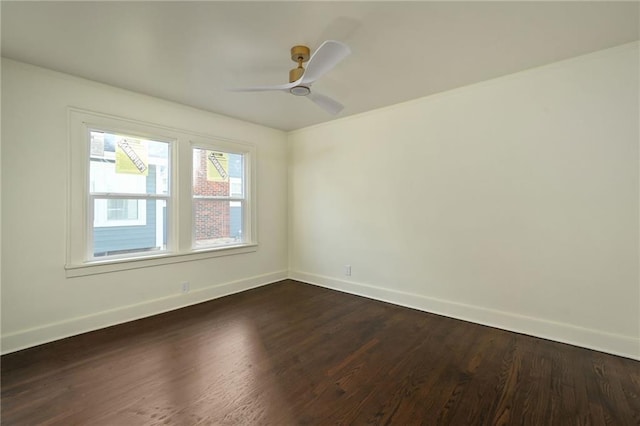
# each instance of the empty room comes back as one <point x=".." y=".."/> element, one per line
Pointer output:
<point x="283" y="213"/>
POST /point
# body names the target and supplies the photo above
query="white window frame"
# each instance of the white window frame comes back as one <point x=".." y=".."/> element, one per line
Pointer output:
<point x="179" y="205"/>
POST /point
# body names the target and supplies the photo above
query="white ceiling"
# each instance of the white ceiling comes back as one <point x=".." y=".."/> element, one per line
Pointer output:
<point x="190" y="52"/>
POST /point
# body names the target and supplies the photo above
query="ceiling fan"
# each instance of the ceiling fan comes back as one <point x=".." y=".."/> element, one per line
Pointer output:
<point x="327" y="56"/>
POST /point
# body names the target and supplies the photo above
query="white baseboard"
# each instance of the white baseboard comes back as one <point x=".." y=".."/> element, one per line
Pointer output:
<point x="27" y="338"/>
<point x="625" y="346"/>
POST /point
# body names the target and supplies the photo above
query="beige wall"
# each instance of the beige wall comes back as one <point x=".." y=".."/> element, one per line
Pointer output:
<point x="512" y="203"/>
<point x="39" y="303"/>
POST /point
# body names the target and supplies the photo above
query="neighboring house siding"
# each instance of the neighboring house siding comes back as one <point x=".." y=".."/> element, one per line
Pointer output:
<point x="119" y="238"/>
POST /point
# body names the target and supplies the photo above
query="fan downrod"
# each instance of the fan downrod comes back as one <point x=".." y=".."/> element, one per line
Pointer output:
<point x="300" y="55"/>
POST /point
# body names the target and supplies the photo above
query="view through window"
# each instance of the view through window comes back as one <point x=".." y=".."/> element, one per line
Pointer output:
<point x="218" y="198"/>
<point x="129" y="190"/>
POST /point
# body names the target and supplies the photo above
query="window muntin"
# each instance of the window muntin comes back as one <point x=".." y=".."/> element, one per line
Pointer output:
<point x="128" y="194"/>
<point x="219" y="203"/>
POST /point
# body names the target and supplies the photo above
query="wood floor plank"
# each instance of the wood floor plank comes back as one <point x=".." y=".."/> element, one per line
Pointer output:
<point x="296" y="354"/>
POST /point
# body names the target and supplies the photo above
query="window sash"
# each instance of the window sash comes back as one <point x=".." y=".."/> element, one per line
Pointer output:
<point x="110" y="231"/>
<point x="129" y="195"/>
<point x="91" y="227"/>
<point x="242" y="197"/>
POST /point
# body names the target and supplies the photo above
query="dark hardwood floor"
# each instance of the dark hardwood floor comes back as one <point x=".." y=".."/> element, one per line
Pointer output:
<point x="292" y="353"/>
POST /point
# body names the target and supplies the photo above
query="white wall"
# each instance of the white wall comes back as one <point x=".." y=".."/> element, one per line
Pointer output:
<point x="512" y="203"/>
<point x="39" y="303"/>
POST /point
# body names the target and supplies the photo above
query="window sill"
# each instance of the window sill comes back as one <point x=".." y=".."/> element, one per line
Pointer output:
<point x="114" y="265"/>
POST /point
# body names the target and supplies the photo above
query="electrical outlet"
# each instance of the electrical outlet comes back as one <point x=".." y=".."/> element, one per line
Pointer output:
<point x="185" y="287"/>
<point x="347" y="270"/>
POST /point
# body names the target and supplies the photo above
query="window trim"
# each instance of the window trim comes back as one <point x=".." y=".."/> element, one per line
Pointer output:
<point x="179" y="221"/>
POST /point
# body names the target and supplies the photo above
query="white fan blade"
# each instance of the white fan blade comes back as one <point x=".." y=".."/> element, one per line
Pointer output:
<point x="326" y="103"/>
<point x="284" y="87"/>
<point x="327" y="56"/>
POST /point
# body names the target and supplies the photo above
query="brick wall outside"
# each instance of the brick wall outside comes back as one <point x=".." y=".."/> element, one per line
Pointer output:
<point x="211" y="217"/>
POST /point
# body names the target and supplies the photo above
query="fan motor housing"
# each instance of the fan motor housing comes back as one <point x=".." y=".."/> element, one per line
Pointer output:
<point x="299" y="54"/>
<point x="300" y="91"/>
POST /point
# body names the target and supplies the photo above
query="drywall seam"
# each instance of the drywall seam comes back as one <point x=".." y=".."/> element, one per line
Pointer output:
<point x="625" y="346"/>
<point x="35" y="336"/>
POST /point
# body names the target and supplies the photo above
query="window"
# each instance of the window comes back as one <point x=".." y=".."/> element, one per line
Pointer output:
<point x="218" y="197"/>
<point x="128" y="194"/>
<point x="142" y="195"/>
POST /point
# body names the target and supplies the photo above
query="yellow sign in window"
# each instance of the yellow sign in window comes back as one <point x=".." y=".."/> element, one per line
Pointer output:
<point x="132" y="157"/>
<point x="217" y="166"/>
